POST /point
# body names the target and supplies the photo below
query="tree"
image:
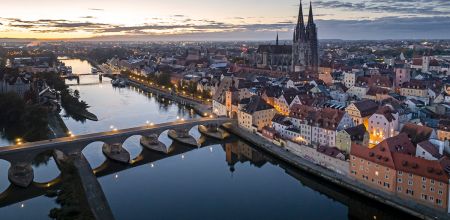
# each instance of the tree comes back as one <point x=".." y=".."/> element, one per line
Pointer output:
<point x="76" y="94"/>
<point x="163" y="79"/>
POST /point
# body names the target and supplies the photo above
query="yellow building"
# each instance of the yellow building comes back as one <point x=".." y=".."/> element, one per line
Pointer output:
<point x="416" y="89"/>
<point x="361" y="111"/>
<point x="254" y="114"/>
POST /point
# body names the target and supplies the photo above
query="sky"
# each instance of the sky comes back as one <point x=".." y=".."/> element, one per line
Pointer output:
<point x="222" y="19"/>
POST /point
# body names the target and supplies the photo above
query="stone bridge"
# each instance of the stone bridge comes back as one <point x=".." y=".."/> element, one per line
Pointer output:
<point x="21" y="156"/>
<point x="14" y="194"/>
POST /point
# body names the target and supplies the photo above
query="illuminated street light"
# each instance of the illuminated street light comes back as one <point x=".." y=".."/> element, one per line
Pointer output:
<point x="152" y="165"/>
<point x="182" y="156"/>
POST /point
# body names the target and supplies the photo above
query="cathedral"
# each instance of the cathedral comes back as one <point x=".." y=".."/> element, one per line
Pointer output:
<point x="305" y="55"/>
<point x="301" y="56"/>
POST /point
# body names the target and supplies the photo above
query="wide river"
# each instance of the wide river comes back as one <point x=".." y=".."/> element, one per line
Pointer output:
<point x="225" y="180"/>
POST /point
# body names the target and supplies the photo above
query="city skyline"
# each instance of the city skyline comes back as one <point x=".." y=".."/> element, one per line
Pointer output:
<point x="214" y="20"/>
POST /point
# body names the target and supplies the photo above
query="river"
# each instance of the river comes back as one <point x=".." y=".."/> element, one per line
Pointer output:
<point x="227" y="180"/>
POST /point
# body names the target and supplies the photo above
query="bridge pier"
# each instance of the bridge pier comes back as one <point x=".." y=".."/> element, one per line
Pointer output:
<point x="151" y="142"/>
<point x="116" y="152"/>
<point x="21" y="174"/>
<point x="182" y="135"/>
<point x="213" y="131"/>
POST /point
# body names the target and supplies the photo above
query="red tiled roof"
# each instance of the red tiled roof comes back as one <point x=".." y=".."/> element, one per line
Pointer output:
<point x="399" y="153"/>
<point x="382" y="153"/>
<point x="387" y="112"/>
<point x="417" y="62"/>
<point x="366" y="107"/>
<point x="431" y="169"/>
<point x="417" y="133"/>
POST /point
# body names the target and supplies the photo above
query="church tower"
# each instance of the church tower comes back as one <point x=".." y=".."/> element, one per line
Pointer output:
<point x="305" y="44"/>
<point x="311" y="35"/>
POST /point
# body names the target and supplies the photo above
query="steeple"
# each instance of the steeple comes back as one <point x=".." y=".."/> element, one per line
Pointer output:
<point x="277" y="39"/>
<point x="310" y="16"/>
<point x="300" y="28"/>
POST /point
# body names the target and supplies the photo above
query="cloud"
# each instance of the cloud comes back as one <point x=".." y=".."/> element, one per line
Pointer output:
<point x="406" y="7"/>
<point x="96" y="9"/>
<point x="393" y="27"/>
<point x="88" y="17"/>
<point x="386" y="28"/>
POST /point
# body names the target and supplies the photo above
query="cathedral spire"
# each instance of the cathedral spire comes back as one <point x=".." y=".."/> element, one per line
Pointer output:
<point x="300" y="28"/>
<point x="277" y="39"/>
<point x="310" y="16"/>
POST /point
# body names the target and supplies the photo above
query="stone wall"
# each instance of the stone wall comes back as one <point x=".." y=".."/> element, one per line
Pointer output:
<point x="312" y="155"/>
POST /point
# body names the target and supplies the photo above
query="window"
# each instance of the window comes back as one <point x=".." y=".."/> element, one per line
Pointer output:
<point x="410" y="175"/>
<point x="431" y="199"/>
<point x="439" y="202"/>
<point x="410" y="192"/>
<point x="440" y="192"/>
<point x="399" y="188"/>
<point x="424" y="179"/>
<point x="410" y="182"/>
<point x="400" y="173"/>
<point x="399" y="180"/>
<point x="424" y="197"/>
<point x="431" y="189"/>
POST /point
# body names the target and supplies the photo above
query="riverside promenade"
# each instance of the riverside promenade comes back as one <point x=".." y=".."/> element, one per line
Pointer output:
<point x="348" y="183"/>
<point x="198" y="106"/>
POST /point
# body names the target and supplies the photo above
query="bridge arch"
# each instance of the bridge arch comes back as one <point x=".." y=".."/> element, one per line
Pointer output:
<point x="133" y="146"/>
<point x="45" y="167"/>
<point x="164" y="138"/>
<point x="193" y="131"/>
<point x="4" y="182"/>
<point x="94" y="154"/>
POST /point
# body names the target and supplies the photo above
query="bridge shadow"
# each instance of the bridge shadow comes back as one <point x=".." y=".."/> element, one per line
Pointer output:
<point x="14" y="194"/>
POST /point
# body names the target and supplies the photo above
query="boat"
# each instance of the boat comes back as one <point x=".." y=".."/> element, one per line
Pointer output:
<point x="94" y="70"/>
<point x="119" y="83"/>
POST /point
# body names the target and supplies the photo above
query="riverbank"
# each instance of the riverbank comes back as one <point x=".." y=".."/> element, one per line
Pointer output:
<point x="57" y="126"/>
<point x="407" y="206"/>
<point x="199" y="108"/>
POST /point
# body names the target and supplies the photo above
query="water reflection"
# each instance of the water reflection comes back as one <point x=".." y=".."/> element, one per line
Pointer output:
<point x="45" y="168"/>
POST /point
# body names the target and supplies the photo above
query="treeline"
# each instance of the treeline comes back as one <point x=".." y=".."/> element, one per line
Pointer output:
<point x="101" y="55"/>
<point x="20" y="119"/>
